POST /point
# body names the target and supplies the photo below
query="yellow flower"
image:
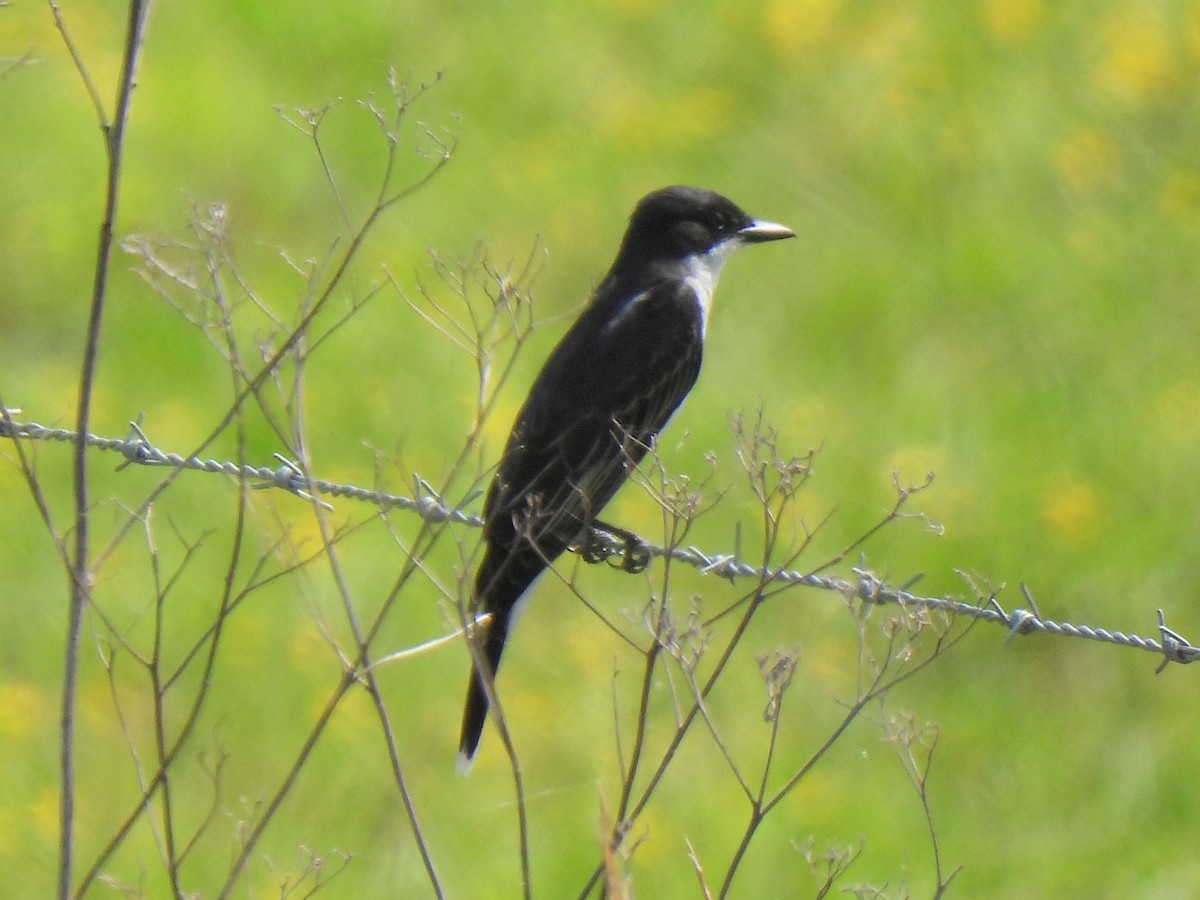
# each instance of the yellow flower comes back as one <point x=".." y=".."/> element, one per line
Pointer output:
<point x="21" y="709"/>
<point x="1181" y="195"/>
<point x="791" y="24"/>
<point x="1011" y="19"/>
<point x="1087" y="159"/>
<point x="1177" y="413"/>
<point x="43" y="813"/>
<point x="1072" y="510"/>
<point x="639" y="120"/>
<point x="1137" y="59"/>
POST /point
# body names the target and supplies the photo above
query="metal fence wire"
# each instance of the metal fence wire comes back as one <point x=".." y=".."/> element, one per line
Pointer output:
<point x="137" y="449"/>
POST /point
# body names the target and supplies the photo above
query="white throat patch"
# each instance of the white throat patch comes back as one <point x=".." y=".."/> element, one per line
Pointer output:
<point x="702" y="272"/>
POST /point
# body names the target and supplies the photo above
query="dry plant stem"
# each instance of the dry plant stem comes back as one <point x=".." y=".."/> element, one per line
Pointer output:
<point x="500" y="724"/>
<point x="677" y="531"/>
<point x="631" y="810"/>
<point x="357" y="668"/>
<point x="212" y="242"/>
<point x="29" y="473"/>
<point x="253" y="582"/>
<point x="759" y="809"/>
<point x="514" y="763"/>
<point x="903" y="738"/>
<point x="695" y="860"/>
<point x="351" y="675"/>
<point x="80" y="573"/>
<point x="172" y="845"/>
<point x="169" y="753"/>
<point x="245" y="386"/>
<point x="386" y="198"/>
<point x="676" y="525"/>
<point x="162" y="682"/>
<point x="480" y="339"/>
<point x="10" y="64"/>
<point x="773" y="498"/>
<point x="230" y="600"/>
<point x="756" y="598"/>
<point x="169" y="850"/>
<point x="165" y="842"/>
<point x="875" y="688"/>
<point x="363" y="663"/>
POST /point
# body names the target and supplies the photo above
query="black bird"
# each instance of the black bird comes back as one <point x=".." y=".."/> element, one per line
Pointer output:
<point x="606" y="390"/>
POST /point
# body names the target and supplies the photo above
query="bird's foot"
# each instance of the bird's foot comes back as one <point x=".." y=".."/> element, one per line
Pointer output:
<point x="636" y="555"/>
<point x="633" y="556"/>
<point x="594" y="548"/>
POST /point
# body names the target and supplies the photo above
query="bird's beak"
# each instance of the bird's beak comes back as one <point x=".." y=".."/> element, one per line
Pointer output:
<point x="758" y="232"/>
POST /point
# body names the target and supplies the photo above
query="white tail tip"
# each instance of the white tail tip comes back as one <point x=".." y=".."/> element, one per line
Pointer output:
<point x="462" y="765"/>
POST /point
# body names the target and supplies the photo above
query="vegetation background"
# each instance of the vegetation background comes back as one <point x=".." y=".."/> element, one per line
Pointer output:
<point x="997" y="280"/>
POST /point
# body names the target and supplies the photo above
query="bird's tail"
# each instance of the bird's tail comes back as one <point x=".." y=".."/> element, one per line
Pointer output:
<point x="502" y="580"/>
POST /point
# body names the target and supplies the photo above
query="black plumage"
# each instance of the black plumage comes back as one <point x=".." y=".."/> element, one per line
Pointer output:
<point x="601" y="398"/>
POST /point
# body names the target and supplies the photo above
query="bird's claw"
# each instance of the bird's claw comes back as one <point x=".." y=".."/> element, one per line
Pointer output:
<point x="594" y="549"/>
<point x="635" y="556"/>
<point x="599" y="546"/>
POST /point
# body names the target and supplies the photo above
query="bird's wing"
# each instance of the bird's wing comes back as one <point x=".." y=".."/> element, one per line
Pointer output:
<point x="602" y="397"/>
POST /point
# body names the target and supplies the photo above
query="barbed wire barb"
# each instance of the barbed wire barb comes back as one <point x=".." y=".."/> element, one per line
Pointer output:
<point x="290" y="476"/>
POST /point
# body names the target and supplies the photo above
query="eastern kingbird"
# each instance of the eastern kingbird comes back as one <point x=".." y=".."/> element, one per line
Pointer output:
<point x="606" y="390"/>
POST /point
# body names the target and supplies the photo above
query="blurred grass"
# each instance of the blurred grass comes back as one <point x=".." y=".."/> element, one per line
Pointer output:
<point x="998" y="205"/>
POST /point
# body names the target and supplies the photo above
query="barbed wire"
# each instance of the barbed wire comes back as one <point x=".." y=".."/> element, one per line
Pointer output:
<point x="425" y="502"/>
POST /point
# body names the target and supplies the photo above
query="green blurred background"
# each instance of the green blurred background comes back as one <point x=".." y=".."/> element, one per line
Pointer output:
<point x="997" y="280"/>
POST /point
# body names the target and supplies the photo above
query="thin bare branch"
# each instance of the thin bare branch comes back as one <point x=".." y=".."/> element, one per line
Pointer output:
<point x="80" y="572"/>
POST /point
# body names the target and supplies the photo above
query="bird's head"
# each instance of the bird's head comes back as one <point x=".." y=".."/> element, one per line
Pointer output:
<point x="674" y="223"/>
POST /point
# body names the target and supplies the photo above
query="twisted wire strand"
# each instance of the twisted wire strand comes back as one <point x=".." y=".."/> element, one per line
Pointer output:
<point x="289" y="476"/>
